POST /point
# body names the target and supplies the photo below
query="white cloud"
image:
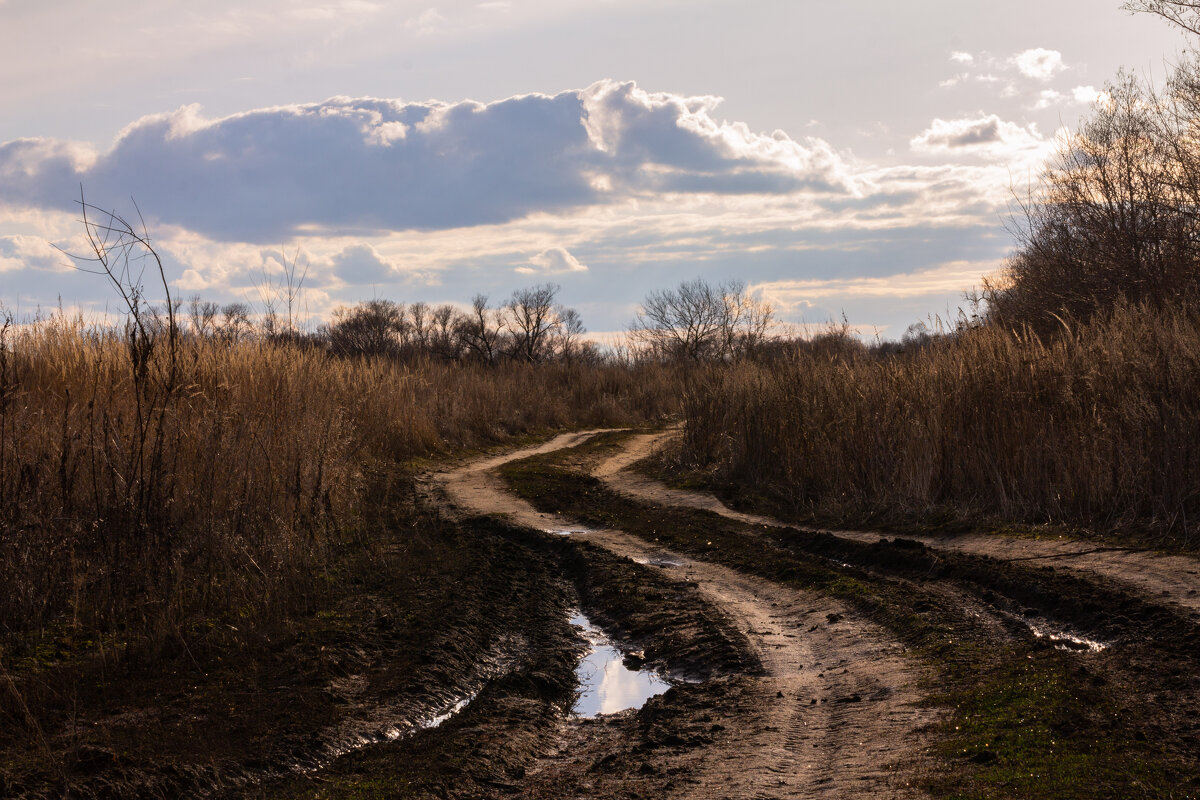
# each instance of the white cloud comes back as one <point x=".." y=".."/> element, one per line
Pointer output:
<point x="1048" y="98"/>
<point x="1039" y="63"/>
<point x="428" y="21"/>
<point x="361" y="264"/>
<point x="949" y="278"/>
<point x="961" y="57"/>
<point x="1088" y="95"/>
<point x="553" y="261"/>
<point x="31" y="252"/>
<point x="367" y="165"/>
<point x="985" y="135"/>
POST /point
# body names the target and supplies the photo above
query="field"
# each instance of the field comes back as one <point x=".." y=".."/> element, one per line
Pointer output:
<point x="298" y="554"/>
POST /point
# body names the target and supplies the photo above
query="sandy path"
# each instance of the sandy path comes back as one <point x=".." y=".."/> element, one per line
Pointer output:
<point x="1174" y="577"/>
<point x="838" y="703"/>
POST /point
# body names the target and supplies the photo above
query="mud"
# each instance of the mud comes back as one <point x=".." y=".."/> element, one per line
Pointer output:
<point x="1129" y="726"/>
<point x="1159" y="575"/>
<point x="790" y="737"/>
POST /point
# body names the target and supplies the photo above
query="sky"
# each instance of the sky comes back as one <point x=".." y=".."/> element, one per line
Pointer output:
<point x="850" y="161"/>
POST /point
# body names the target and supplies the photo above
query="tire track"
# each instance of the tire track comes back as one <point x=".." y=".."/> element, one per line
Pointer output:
<point x="1175" y="578"/>
<point x="837" y="702"/>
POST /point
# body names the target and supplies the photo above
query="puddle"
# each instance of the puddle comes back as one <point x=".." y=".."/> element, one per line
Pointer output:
<point x="1065" y="640"/>
<point x="567" y="531"/>
<point x="606" y="684"/>
<point x="659" y="561"/>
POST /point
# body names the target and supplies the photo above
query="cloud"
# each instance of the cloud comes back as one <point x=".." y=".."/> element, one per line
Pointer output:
<point x="962" y="58"/>
<point x="950" y="278"/>
<point x="1088" y="95"/>
<point x="361" y="264"/>
<point x="31" y="252"/>
<point x="985" y="135"/>
<point x="554" y="261"/>
<point x="1039" y="63"/>
<point x="365" y="165"/>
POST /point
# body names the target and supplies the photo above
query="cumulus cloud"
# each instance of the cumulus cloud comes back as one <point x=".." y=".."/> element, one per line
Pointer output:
<point x="31" y="252"/>
<point x="961" y="57"/>
<point x="366" y="165"/>
<point x="1039" y="63"/>
<point x="1087" y="95"/>
<point x="554" y="261"/>
<point x="985" y="135"/>
<point x="361" y="264"/>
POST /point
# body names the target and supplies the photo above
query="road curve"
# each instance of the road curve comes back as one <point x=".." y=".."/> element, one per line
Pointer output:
<point x="837" y="704"/>
<point x="1172" y="577"/>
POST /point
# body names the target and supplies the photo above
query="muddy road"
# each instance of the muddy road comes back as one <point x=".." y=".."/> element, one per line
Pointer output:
<point x="836" y="708"/>
<point x="1172" y="577"/>
<point x="802" y="663"/>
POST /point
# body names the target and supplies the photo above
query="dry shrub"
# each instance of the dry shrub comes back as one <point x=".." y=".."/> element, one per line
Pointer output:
<point x="1095" y="427"/>
<point x="146" y="505"/>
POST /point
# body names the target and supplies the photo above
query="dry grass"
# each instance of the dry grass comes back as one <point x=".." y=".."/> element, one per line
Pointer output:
<point x="138" y="507"/>
<point x="1096" y="427"/>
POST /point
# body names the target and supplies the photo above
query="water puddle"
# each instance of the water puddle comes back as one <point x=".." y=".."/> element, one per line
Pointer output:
<point x="567" y="531"/>
<point x="1065" y="640"/>
<point x="606" y="684"/>
<point x="659" y="561"/>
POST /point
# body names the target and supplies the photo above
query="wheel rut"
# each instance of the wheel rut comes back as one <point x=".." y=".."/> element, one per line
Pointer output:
<point x="1174" y="578"/>
<point x="836" y="705"/>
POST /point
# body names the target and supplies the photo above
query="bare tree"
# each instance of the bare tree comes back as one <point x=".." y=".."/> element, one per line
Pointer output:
<point x="370" y="328"/>
<point x="567" y="333"/>
<point x="1184" y="13"/>
<point x="443" y="340"/>
<point x="1113" y="216"/>
<point x="418" y="325"/>
<point x="481" y="329"/>
<point x="530" y="317"/>
<point x="235" y="322"/>
<point x="203" y="316"/>
<point x="698" y="321"/>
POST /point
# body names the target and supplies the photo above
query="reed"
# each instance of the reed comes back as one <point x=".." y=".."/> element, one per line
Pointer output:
<point x="145" y="496"/>
<point x="1094" y="427"/>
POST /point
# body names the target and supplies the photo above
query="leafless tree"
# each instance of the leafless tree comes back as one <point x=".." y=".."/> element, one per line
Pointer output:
<point x="1184" y="13"/>
<point x="370" y="328"/>
<point x="568" y="331"/>
<point x="698" y="321"/>
<point x="480" y="330"/>
<point x="203" y="316"/>
<point x="1113" y="216"/>
<point x="443" y="338"/>
<point x="235" y="322"/>
<point x="531" y="319"/>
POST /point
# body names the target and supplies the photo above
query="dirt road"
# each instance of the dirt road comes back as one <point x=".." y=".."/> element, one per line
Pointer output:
<point x="836" y="707"/>
<point x="1174" y="577"/>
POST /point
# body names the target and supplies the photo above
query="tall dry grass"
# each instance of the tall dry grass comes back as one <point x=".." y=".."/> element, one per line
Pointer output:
<point x="1099" y="426"/>
<point x="141" y="500"/>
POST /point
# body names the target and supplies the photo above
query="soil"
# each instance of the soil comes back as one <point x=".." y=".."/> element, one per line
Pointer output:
<point x="1035" y="711"/>
<point x="805" y="663"/>
<point x="1175" y="577"/>
<point x="836" y="708"/>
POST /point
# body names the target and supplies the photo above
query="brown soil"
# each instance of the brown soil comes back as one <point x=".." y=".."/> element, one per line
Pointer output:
<point x="1172" y="577"/>
<point x="836" y="708"/>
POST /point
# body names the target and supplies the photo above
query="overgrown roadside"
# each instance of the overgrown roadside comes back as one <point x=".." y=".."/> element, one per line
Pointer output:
<point x="1030" y="720"/>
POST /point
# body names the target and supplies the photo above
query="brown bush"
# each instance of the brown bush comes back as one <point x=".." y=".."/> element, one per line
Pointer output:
<point x="142" y="503"/>
<point x="1095" y="427"/>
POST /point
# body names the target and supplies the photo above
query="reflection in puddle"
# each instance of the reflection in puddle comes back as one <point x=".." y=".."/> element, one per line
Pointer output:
<point x="1064" y="640"/>
<point x="567" y="531"/>
<point x="606" y="684"/>
<point x="659" y="561"/>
